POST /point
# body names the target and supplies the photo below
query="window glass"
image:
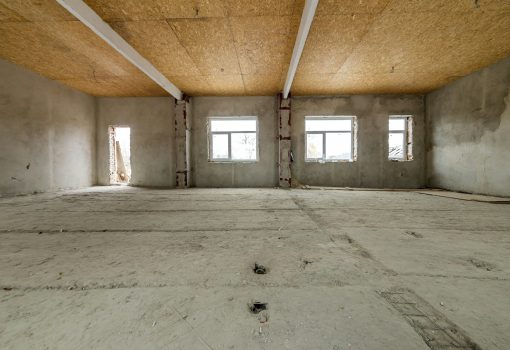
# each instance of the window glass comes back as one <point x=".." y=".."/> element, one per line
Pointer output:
<point x="339" y="146"/>
<point x="244" y="146"/>
<point x="396" y="145"/>
<point x="233" y="125"/>
<point x="326" y="124"/>
<point x="314" y="146"/>
<point x="233" y="139"/>
<point x="220" y="146"/>
<point x="330" y="138"/>
<point x="397" y="124"/>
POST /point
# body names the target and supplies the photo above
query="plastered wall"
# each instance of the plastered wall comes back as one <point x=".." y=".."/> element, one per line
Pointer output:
<point x="53" y="137"/>
<point x="151" y="120"/>
<point x="468" y="123"/>
<point x="47" y="134"/>
<point x="263" y="173"/>
<point x="372" y="167"/>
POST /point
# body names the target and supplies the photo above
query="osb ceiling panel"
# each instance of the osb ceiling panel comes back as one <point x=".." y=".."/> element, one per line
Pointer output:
<point x="44" y="37"/>
<point x="243" y="47"/>
<point x="216" y="47"/>
<point x="400" y="46"/>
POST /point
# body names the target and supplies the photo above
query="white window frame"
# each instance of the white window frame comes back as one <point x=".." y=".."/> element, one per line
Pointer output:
<point x="229" y="133"/>
<point x="408" y="137"/>
<point x="353" y="131"/>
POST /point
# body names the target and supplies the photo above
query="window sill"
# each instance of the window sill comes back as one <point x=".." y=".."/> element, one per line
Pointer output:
<point x="330" y="161"/>
<point x="233" y="161"/>
<point x="400" y="160"/>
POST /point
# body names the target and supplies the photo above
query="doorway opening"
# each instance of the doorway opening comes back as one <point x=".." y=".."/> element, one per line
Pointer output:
<point x="120" y="154"/>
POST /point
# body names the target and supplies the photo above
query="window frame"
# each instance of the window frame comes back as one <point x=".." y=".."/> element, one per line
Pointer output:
<point x="352" y="119"/>
<point x="407" y="135"/>
<point x="210" y="134"/>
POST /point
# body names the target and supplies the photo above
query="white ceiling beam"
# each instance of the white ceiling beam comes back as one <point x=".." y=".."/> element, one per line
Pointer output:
<point x="304" y="28"/>
<point x="92" y="20"/>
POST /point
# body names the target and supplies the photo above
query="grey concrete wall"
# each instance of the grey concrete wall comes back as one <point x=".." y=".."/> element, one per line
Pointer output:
<point x="47" y="134"/>
<point x="372" y="167"/>
<point x="262" y="173"/>
<point x="151" y="120"/>
<point x="468" y="123"/>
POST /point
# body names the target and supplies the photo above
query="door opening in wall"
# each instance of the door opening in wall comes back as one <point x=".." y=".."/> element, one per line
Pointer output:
<point x="120" y="154"/>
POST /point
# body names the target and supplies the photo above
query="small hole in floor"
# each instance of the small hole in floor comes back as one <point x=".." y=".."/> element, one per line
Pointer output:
<point x="259" y="269"/>
<point x="257" y="307"/>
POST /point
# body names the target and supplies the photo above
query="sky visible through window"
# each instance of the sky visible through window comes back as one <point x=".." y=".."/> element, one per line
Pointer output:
<point x="233" y="139"/>
<point x="328" y="139"/>
<point x="396" y="138"/>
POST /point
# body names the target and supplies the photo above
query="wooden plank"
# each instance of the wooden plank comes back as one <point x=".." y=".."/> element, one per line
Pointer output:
<point x="304" y="27"/>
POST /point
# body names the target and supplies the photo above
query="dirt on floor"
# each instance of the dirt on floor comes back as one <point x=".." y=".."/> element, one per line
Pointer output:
<point x="131" y="268"/>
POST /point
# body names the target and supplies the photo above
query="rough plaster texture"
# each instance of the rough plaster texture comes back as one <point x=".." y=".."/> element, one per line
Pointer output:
<point x="47" y="134"/>
<point x="284" y="142"/>
<point x="264" y="172"/>
<point x="372" y="167"/>
<point x="182" y="143"/>
<point x="151" y="120"/>
<point x="468" y="123"/>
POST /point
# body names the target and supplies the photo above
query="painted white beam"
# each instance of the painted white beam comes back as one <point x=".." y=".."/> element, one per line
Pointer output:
<point x="304" y="28"/>
<point x="92" y="20"/>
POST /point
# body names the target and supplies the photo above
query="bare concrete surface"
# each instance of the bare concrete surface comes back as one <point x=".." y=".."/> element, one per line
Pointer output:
<point x="47" y="134"/>
<point x="468" y="123"/>
<point x="372" y="169"/>
<point x="130" y="268"/>
<point x="152" y="124"/>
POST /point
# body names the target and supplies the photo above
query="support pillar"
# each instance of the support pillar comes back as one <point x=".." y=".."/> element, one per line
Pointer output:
<point x="284" y="141"/>
<point x="182" y="143"/>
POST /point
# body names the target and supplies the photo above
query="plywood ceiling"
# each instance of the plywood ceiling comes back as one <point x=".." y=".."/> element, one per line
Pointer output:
<point x="400" y="46"/>
<point x="243" y="47"/>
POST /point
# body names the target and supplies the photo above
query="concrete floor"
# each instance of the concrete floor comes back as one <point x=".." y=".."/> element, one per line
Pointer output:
<point x="126" y="268"/>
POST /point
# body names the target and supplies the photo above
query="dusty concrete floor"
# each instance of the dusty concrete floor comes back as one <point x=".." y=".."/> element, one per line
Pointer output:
<point x="125" y="268"/>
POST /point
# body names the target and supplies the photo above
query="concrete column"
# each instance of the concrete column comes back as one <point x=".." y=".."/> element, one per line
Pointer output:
<point x="284" y="144"/>
<point x="182" y="143"/>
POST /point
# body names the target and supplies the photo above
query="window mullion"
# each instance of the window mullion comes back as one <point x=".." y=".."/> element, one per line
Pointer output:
<point x="324" y="146"/>
<point x="405" y="139"/>
<point x="229" y="146"/>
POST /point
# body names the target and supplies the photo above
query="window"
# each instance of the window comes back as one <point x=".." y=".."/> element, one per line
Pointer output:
<point x="233" y="139"/>
<point x="330" y="139"/>
<point x="400" y="138"/>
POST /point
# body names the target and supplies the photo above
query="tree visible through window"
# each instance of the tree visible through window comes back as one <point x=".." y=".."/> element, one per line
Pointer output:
<point x="233" y="139"/>
<point x="330" y="138"/>
<point x="400" y="138"/>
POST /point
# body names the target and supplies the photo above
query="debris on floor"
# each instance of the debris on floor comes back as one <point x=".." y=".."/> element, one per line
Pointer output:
<point x="414" y="234"/>
<point x="305" y="262"/>
<point x="257" y="307"/>
<point x="259" y="269"/>
<point x="435" y="329"/>
<point x="482" y="264"/>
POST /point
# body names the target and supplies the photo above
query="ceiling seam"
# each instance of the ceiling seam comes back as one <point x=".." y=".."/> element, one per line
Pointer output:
<point x="362" y="38"/>
<point x="235" y="49"/>
<point x="187" y="52"/>
<point x="288" y="48"/>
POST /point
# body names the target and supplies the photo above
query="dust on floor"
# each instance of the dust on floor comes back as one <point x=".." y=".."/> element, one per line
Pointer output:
<point x="127" y="268"/>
